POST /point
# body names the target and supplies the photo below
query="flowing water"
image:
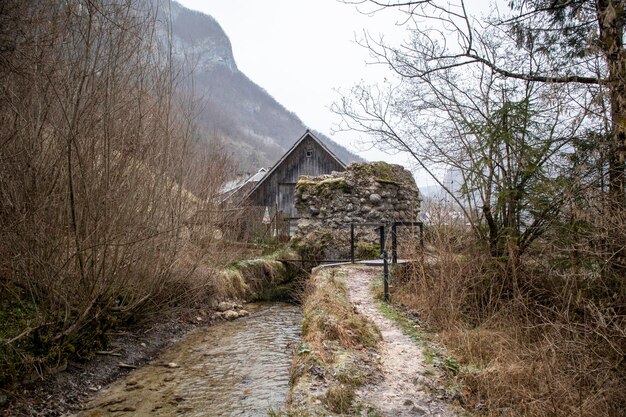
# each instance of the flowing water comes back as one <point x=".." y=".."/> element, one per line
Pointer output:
<point x="238" y="368"/>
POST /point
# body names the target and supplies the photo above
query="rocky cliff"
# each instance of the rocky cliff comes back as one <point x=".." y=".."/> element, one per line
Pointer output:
<point x="253" y="125"/>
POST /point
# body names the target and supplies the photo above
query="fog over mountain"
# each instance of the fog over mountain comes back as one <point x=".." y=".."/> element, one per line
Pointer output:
<point x="253" y="125"/>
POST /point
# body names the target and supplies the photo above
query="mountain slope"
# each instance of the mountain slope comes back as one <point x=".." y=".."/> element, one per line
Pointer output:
<point x="249" y="120"/>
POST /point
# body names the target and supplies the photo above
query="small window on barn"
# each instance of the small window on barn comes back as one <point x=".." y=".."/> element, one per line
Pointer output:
<point x="309" y="153"/>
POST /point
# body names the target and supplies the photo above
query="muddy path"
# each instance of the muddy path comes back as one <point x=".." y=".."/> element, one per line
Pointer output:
<point x="403" y="391"/>
<point x="229" y="369"/>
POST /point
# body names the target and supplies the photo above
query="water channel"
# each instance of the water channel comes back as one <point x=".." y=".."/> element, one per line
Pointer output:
<point x="238" y="368"/>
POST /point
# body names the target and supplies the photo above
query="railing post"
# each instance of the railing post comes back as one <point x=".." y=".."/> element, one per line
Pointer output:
<point x="352" y="242"/>
<point x="394" y="243"/>
<point x="382" y="239"/>
<point x="385" y="276"/>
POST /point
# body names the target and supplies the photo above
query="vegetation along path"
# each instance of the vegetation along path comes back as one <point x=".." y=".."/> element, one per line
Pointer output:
<point x="404" y="391"/>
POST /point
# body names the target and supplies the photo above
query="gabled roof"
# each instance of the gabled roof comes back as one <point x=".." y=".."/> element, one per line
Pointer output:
<point x="240" y="182"/>
<point x="258" y="176"/>
<point x="289" y="152"/>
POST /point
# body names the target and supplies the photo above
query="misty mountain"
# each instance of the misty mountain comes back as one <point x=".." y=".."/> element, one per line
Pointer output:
<point x="247" y="119"/>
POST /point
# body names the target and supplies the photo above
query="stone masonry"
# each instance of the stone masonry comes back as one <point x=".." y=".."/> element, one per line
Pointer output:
<point x="365" y="193"/>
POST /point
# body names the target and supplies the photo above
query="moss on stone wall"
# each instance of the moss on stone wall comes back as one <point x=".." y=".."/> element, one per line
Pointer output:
<point x="367" y="250"/>
<point x="321" y="185"/>
<point x="375" y="193"/>
<point x="379" y="171"/>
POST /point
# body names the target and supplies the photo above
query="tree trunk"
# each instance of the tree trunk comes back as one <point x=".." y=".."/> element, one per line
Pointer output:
<point x="611" y="17"/>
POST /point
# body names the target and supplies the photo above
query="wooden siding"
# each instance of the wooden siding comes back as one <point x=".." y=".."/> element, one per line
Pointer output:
<point x="277" y="190"/>
<point x="286" y="202"/>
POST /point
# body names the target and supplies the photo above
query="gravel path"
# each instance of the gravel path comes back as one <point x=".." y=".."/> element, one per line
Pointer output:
<point x="404" y="390"/>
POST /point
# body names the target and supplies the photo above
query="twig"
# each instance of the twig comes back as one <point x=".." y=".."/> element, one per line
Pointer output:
<point x="24" y="333"/>
<point x="127" y="366"/>
<point x="109" y="353"/>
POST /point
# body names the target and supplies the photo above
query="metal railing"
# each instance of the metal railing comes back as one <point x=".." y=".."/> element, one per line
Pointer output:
<point x="383" y="251"/>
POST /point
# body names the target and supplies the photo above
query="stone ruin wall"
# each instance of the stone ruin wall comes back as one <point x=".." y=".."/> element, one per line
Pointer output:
<point x="365" y="193"/>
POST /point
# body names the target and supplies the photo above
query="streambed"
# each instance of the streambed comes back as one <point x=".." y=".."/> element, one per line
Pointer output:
<point x="237" y="368"/>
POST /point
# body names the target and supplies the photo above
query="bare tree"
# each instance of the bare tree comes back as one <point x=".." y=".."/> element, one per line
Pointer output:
<point x="528" y="109"/>
<point x="578" y="42"/>
<point x="96" y="148"/>
<point x="506" y="139"/>
<point x="449" y="70"/>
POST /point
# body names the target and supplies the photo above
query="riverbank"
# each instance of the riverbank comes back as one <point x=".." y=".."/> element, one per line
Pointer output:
<point x="338" y="350"/>
<point x="70" y="383"/>
<point x="59" y="393"/>
<point x="239" y="367"/>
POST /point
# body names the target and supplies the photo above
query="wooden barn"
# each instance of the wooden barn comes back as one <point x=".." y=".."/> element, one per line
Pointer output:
<point x="308" y="156"/>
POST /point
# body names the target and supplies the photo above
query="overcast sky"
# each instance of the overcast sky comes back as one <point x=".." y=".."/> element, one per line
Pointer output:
<point x="301" y="51"/>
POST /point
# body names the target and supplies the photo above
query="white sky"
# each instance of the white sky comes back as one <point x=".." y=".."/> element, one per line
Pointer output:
<point x="301" y="51"/>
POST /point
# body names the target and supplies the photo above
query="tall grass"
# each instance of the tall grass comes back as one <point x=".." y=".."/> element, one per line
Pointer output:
<point x="550" y="340"/>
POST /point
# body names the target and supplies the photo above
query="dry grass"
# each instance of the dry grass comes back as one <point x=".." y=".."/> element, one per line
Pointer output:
<point x="553" y="345"/>
<point x="263" y="278"/>
<point x="339" y="398"/>
<point x="334" y="337"/>
<point x="328" y="315"/>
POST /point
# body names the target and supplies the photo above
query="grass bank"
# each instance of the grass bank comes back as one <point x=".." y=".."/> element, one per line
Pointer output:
<point x="552" y="344"/>
<point x="264" y="278"/>
<point x="336" y="354"/>
<point x="33" y="344"/>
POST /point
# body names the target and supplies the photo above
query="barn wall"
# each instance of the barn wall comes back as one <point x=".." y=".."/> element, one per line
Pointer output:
<point x="285" y="176"/>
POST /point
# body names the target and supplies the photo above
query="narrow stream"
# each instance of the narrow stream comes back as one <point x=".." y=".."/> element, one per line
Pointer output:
<point x="238" y="368"/>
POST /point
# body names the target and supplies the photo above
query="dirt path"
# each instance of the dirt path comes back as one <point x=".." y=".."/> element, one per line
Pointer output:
<point x="403" y="391"/>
